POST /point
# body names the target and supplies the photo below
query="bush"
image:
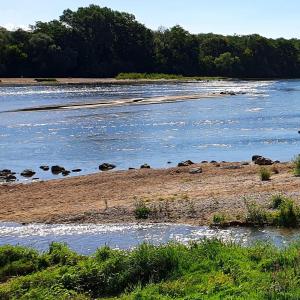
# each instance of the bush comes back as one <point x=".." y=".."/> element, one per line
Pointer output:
<point x="265" y="174"/>
<point x="297" y="166"/>
<point x="219" y="219"/>
<point x="255" y="214"/>
<point x="141" y="211"/>
<point x="288" y="215"/>
<point x="45" y="79"/>
<point x="277" y="200"/>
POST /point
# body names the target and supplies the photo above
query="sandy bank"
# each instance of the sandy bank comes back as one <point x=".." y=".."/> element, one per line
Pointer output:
<point x="174" y="194"/>
<point x="84" y="81"/>
<point x="119" y="102"/>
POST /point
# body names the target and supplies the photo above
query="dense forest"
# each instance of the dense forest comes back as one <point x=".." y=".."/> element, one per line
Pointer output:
<point x="100" y="42"/>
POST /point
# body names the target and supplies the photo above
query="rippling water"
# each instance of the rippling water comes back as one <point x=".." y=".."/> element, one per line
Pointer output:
<point x="87" y="238"/>
<point x="265" y="120"/>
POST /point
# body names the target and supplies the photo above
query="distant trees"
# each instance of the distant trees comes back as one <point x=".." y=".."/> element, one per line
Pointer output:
<point x="100" y="42"/>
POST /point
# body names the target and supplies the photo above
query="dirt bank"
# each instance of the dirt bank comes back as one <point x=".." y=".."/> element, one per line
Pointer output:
<point x="174" y="195"/>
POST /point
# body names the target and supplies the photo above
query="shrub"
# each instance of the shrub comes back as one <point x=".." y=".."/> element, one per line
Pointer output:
<point x="297" y="166"/>
<point x="141" y="211"/>
<point x="45" y="79"/>
<point x="265" y="174"/>
<point x="277" y="200"/>
<point x="255" y="214"/>
<point x="219" y="219"/>
<point x="288" y="215"/>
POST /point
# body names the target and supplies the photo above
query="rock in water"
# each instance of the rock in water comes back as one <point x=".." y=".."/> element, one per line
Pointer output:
<point x="262" y="161"/>
<point x="57" y="169"/>
<point x="45" y="168"/>
<point x="145" y="166"/>
<point x="106" y="167"/>
<point x="27" y="173"/>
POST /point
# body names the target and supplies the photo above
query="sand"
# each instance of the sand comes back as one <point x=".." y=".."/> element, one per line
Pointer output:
<point x="174" y="195"/>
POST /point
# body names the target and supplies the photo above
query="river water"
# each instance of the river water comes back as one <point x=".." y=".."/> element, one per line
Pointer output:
<point x="264" y="118"/>
<point x="86" y="238"/>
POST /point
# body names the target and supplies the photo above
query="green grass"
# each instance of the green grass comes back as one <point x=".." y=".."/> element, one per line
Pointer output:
<point x="141" y="210"/>
<point x="45" y="79"/>
<point x="157" y="76"/>
<point x="297" y="166"/>
<point x="208" y="270"/>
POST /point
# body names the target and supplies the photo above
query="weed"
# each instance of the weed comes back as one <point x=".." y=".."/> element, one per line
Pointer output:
<point x="297" y="165"/>
<point x="264" y="174"/>
<point x="141" y="211"/>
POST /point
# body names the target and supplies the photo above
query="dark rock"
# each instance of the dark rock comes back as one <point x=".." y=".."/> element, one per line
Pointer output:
<point x="57" y="169"/>
<point x="262" y="161"/>
<point x="185" y="163"/>
<point x="66" y="173"/>
<point x="45" y="168"/>
<point x="36" y="178"/>
<point x="255" y="157"/>
<point x="76" y="170"/>
<point x="299" y="131"/>
<point x="145" y="166"/>
<point x="204" y="162"/>
<point x="5" y="172"/>
<point x="196" y="171"/>
<point x="277" y="161"/>
<point x="27" y="173"/>
<point x="106" y="167"/>
<point x="169" y="162"/>
<point x="245" y="163"/>
<point x="213" y="162"/>
<point x="131" y="168"/>
<point x="10" y="178"/>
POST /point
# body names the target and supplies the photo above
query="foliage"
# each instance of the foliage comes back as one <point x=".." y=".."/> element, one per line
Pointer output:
<point x="219" y="219"/>
<point x="141" y="210"/>
<point x="297" y="165"/>
<point x="206" y="270"/>
<point x="255" y="214"/>
<point x="264" y="174"/>
<point x="277" y="201"/>
<point x="99" y="42"/>
<point x="156" y="76"/>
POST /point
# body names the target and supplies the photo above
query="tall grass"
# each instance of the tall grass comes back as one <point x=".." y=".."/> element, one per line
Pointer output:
<point x="157" y="76"/>
<point x="297" y="165"/>
<point x="206" y="270"/>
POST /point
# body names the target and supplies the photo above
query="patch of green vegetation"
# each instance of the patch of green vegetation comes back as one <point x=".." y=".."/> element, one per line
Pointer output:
<point x="219" y="219"/>
<point x="141" y="210"/>
<point x="297" y="166"/>
<point x="157" y="76"/>
<point x="277" y="200"/>
<point x="45" y="79"/>
<point x="207" y="270"/>
<point x="265" y="174"/>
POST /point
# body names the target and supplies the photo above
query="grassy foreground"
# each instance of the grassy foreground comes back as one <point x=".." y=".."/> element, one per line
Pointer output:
<point x="157" y="76"/>
<point x="208" y="270"/>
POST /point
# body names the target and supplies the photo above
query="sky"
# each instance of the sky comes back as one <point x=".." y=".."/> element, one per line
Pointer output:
<point x="270" y="18"/>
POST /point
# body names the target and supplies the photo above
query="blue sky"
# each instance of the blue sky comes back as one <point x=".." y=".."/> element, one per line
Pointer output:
<point x="271" y="18"/>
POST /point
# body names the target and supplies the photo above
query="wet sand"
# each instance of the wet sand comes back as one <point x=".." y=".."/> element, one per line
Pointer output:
<point x="118" y="102"/>
<point x="174" y="195"/>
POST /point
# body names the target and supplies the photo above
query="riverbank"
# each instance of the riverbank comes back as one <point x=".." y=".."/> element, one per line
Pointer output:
<point x="173" y="195"/>
<point x="207" y="270"/>
<point x="93" y="81"/>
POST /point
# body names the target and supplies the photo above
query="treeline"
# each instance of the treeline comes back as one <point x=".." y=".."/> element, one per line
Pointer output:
<point x="100" y="42"/>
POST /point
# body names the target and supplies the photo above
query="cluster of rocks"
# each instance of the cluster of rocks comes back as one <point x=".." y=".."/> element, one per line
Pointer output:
<point x="7" y="176"/>
<point x="262" y="161"/>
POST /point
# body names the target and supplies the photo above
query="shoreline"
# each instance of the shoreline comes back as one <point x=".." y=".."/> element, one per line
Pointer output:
<point x="91" y="81"/>
<point x="174" y="195"/>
